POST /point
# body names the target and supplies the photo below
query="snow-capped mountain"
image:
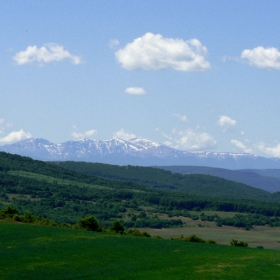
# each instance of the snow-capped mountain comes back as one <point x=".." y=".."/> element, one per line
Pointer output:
<point x="136" y="151"/>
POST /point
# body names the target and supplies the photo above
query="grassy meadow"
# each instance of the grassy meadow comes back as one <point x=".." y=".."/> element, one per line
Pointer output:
<point x="266" y="236"/>
<point x="38" y="252"/>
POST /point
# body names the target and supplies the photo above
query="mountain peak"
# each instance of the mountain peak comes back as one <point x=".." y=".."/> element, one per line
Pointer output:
<point x="135" y="151"/>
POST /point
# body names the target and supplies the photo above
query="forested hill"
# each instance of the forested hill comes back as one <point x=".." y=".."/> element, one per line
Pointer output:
<point x="54" y="192"/>
<point x="203" y="185"/>
<point x="265" y="179"/>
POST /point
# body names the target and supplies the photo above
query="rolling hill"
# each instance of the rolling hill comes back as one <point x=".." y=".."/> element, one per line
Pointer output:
<point x="268" y="180"/>
<point x="138" y="196"/>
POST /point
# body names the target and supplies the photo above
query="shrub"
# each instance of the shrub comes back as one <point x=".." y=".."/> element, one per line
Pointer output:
<point x="237" y="243"/>
<point x="194" y="238"/>
<point x="136" y="232"/>
<point x="8" y="212"/>
<point x="117" y="227"/>
<point x="89" y="223"/>
<point x="17" y="218"/>
<point x="27" y="217"/>
<point x="210" y="241"/>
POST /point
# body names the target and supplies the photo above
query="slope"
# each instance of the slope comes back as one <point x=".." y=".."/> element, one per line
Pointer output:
<point x="268" y="180"/>
<point x="63" y="195"/>
<point x="36" y="252"/>
<point x="203" y="185"/>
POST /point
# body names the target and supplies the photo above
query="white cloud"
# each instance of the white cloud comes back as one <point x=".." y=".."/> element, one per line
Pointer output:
<point x="113" y="43"/>
<point x="123" y="135"/>
<point x="271" y="151"/>
<point x="226" y="122"/>
<point x="190" y="140"/>
<point x="135" y="90"/>
<point x="194" y="140"/>
<point x="1" y="121"/>
<point x="15" y="136"/>
<point x="182" y="118"/>
<point x="241" y="146"/>
<point x="263" y="57"/>
<point x="46" y="54"/>
<point x="86" y="134"/>
<point x="153" y="52"/>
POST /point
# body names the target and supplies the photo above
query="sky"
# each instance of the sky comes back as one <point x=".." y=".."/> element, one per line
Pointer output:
<point x="194" y="75"/>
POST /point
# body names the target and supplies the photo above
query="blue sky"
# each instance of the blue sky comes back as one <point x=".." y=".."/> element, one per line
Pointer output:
<point x="195" y="75"/>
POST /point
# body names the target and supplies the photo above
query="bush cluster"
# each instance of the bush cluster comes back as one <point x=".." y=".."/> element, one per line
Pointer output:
<point x="237" y="243"/>
<point x="194" y="238"/>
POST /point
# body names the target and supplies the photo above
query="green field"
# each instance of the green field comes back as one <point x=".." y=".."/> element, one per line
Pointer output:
<point x="36" y="252"/>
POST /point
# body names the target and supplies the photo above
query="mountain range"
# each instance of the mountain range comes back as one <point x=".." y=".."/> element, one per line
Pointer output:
<point x="136" y="151"/>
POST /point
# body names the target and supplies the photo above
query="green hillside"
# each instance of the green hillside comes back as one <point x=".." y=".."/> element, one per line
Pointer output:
<point x="62" y="195"/>
<point x="197" y="184"/>
<point x="37" y="252"/>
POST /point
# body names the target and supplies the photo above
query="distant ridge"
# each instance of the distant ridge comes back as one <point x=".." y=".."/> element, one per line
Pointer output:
<point x="265" y="179"/>
<point x="136" y="151"/>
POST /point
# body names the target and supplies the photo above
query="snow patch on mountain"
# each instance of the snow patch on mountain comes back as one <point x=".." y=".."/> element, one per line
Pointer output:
<point x="136" y="151"/>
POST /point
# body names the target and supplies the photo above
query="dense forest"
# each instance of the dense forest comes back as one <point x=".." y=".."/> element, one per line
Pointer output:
<point x="63" y="195"/>
<point x="197" y="184"/>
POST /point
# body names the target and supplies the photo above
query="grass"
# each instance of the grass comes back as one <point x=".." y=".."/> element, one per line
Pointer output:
<point x="36" y="252"/>
<point x="50" y="179"/>
<point x="265" y="236"/>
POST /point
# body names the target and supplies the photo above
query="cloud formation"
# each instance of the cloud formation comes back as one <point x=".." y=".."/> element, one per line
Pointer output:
<point x="86" y="134"/>
<point x="135" y="91"/>
<point x="241" y="146"/>
<point x="46" y="54"/>
<point x="268" y="150"/>
<point x="189" y="140"/>
<point x="123" y="135"/>
<point x="15" y="136"/>
<point x="226" y="122"/>
<point x="153" y="52"/>
<point x="267" y="58"/>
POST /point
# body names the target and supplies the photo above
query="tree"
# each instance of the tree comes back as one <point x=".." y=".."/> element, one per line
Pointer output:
<point x="117" y="227"/>
<point x="8" y="212"/>
<point x="89" y="223"/>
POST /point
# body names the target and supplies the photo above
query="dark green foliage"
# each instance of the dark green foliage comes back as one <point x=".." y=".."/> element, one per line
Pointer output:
<point x="193" y="238"/>
<point x="237" y="243"/>
<point x="64" y="196"/>
<point x="198" y="184"/>
<point x="117" y="227"/>
<point x="8" y="212"/>
<point x="11" y="213"/>
<point x="136" y="232"/>
<point x="89" y="223"/>
<point x="211" y="241"/>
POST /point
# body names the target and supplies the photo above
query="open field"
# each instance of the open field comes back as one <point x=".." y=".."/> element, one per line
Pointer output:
<point x="265" y="236"/>
<point x="36" y="252"/>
